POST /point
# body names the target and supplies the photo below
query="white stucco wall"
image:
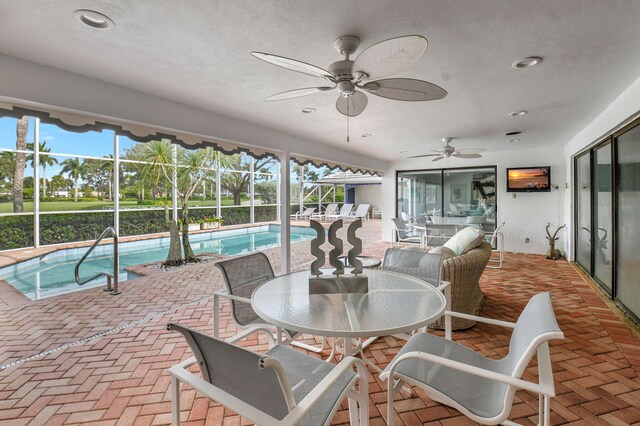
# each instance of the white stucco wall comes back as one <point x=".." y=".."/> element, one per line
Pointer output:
<point x="526" y="214"/>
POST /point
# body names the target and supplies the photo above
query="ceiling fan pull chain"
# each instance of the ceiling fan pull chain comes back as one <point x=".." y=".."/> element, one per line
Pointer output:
<point x="347" y="120"/>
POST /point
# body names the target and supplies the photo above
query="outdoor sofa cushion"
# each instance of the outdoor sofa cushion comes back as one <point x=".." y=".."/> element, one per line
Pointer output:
<point x="446" y="252"/>
<point x="465" y="240"/>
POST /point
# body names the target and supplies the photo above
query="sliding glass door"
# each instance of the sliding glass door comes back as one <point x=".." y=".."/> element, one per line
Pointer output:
<point x="607" y="212"/>
<point x="628" y="226"/>
<point x="583" y="211"/>
<point x="464" y="196"/>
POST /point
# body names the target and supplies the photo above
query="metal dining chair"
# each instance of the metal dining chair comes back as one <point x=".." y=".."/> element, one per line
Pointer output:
<point x="480" y="388"/>
<point x="242" y="275"/>
<point x="281" y="387"/>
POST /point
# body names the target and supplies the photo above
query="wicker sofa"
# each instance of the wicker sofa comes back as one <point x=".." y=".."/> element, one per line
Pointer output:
<point x="464" y="272"/>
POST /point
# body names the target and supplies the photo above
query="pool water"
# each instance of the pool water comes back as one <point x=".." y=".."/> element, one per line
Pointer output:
<point x="53" y="273"/>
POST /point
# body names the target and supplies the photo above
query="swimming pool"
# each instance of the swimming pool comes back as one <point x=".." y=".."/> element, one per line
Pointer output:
<point x="52" y="274"/>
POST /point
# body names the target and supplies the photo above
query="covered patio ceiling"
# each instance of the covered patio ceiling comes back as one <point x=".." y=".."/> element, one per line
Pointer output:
<point x="198" y="58"/>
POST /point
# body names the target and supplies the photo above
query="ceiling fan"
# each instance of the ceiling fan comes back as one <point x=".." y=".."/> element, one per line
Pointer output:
<point x="447" y="151"/>
<point x="367" y="73"/>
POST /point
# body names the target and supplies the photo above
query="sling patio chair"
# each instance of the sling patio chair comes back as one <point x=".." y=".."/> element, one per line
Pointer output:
<point x="480" y="388"/>
<point x="281" y="387"/>
<point x="496" y="239"/>
<point x="242" y="275"/>
<point x="303" y="214"/>
<point x="405" y="234"/>
<point x="331" y="209"/>
<point x="345" y="211"/>
<point x="362" y="212"/>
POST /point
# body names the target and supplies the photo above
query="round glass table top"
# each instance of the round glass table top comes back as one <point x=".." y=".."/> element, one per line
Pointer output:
<point x="395" y="303"/>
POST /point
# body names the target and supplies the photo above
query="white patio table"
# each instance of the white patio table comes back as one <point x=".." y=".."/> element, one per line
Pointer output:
<point x="396" y="303"/>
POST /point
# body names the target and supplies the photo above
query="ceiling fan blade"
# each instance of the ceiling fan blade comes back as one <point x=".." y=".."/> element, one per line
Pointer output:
<point x="352" y="105"/>
<point x="405" y="89"/>
<point x="424" y="155"/>
<point x="296" y="93"/>
<point x="470" y="150"/>
<point x="457" y="154"/>
<point x="438" y="158"/>
<point x="294" y="65"/>
<point x="390" y="56"/>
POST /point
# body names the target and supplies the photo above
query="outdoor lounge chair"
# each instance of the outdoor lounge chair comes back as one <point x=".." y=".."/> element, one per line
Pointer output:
<point x="479" y="387"/>
<point x="242" y="275"/>
<point x="362" y="212"/>
<point x="402" y="233"/>
<point x="345" y="212"/>
<point x="281" y="387"/>
<point x="306" y="214"/>
<point x="331" y="209"/>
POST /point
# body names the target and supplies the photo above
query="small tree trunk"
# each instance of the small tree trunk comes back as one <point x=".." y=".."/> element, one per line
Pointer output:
<point x="236" y="198"/>
<point x="22" y="128"/>
<point x="44" y="182"/>
<point x="75" y="190"/>
<point x="175" y="254"/>
<point x="189" y="256"/>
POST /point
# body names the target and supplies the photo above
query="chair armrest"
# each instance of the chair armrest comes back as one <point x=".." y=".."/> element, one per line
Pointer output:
<point x="544" y="389"/>
<point x="317" y="393"/>
<point x="231" y="296"/>
<point x="480" y="319"/>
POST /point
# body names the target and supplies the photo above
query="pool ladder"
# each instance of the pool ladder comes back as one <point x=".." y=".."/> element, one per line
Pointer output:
<point x="111" y="278"/>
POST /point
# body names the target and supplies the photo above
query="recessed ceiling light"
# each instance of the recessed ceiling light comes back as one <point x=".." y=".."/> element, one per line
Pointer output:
<point x="94" y="19"/>
<point x="366" y="135"/>
<point x="404" y="152"/>
<point x="512" y="133"/>
<point x="514" y="140"/>
<point x="518" y="113"/>
<point x="308" y="110"/>
<point x="531" y="61"/>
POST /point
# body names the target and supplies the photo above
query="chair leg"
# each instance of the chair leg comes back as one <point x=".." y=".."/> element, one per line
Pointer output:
<point x="175" y="401"/>
<point x="394" y="388"/>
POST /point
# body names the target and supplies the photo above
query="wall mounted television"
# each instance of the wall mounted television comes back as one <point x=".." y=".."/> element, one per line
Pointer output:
<point x="529" y="179"/>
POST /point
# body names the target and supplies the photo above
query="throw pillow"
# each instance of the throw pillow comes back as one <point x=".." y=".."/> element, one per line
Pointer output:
<point x="446" y="252"/>
<point x="465" y="240"/>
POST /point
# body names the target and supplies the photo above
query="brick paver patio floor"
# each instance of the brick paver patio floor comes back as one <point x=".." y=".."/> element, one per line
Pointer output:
<point x="90" y="358"/>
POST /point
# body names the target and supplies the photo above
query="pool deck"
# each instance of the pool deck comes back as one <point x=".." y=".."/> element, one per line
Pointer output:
<point x="101" y="359"/>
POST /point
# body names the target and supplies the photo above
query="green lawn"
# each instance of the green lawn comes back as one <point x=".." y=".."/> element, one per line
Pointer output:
<point x="68" y="205"/>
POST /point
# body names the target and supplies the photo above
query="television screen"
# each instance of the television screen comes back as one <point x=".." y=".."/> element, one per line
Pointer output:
<point x="529" y="179"/>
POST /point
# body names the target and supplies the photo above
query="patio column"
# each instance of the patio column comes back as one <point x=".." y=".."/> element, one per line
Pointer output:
<point x="116" y="183"/>
<point x="36" y="183"/>
<point x="174" y="184"/>
<point x="301" y="188"/>
<point x="252" y="209"/>
<point x="283" y="208"/>
<point x="218" y="186"/>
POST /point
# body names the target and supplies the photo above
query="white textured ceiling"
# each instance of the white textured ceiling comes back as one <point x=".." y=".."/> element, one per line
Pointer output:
<point x="197" y="53"/>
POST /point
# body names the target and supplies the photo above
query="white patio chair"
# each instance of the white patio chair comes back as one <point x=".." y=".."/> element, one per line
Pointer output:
<point x="281" y="387"/>
<point x="242" y="275"/>
<point x="480" y="388"/>
<point x="345" y="211"/>
<point x="362" y="212"/>
<point x="331" y="209"/>
<point x="496" y="239"/>
<point x="402" y="234"/>
<point x="306" y="213"/>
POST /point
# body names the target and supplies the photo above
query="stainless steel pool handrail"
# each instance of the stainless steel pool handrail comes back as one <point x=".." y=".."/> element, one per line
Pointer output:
<point x="114" y="290"/>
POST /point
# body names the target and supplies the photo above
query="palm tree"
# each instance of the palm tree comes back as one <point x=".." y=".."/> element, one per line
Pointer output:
<point x="22" y="128"/>
<point x="107" y="166"/>
<point x="45" y="160"/>
<point x="75" y="168"/>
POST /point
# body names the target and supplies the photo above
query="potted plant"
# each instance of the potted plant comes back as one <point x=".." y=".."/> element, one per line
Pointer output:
<point x="210" y="222"/>
<point x="194" y="224"/>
